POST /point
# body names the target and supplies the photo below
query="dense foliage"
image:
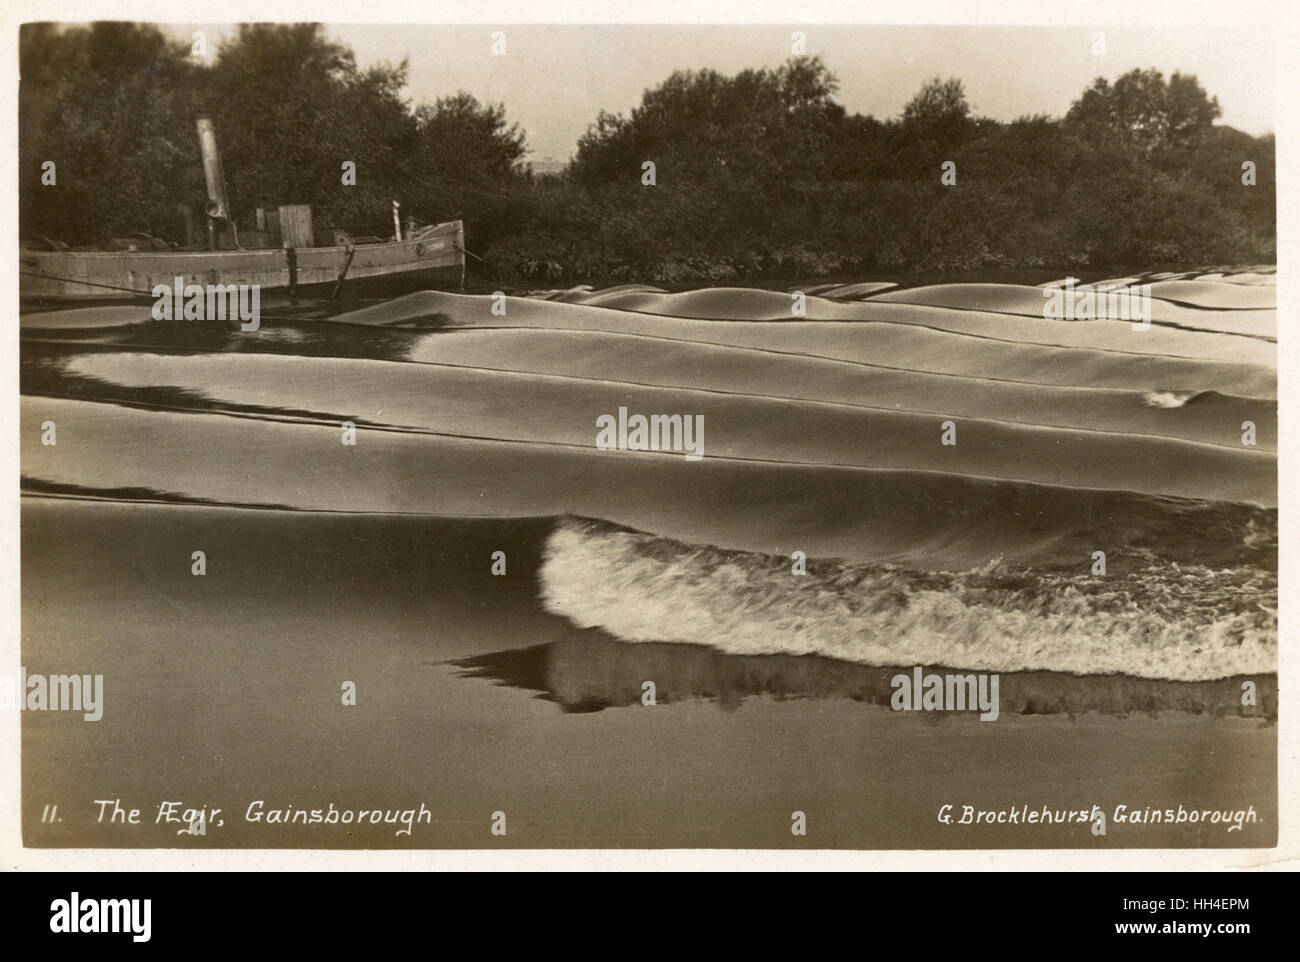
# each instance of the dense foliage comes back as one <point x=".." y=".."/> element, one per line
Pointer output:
<point x="760" y="174"/>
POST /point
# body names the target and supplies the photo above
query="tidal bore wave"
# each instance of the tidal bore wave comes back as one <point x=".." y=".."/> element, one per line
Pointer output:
<point x="1183" y="623"/>
<point x="824" y="436"/>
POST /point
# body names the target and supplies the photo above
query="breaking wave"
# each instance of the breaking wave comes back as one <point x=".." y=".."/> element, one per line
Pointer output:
<point x="1168" y="399"/>
<point x="1182" y="623"/>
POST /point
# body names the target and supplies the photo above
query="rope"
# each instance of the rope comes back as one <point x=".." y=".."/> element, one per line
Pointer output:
<point x="73" y="280"/>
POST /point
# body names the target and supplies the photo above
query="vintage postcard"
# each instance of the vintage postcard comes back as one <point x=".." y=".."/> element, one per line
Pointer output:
<point x="666" y="436"/>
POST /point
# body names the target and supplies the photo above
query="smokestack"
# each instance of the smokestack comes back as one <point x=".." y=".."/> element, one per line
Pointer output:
<point x="218" y="208"/>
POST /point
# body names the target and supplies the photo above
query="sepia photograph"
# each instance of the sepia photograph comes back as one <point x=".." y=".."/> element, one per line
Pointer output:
<point x="681" y="436"/>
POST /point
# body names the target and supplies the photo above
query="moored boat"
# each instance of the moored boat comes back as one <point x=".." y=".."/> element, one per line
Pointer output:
<point x="435" y="257"/>
<point x="283" y="253"/>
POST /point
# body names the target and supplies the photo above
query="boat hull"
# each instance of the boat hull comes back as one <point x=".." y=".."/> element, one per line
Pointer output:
<point x="436" y="258"/>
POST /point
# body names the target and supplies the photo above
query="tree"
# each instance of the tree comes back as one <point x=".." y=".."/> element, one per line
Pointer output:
<point x="291" y="106"/>
<point x="763" y="129"/>
<point x="468" y="164"/>
<point x="938" y="113"/>
<point x="1143" y="109"/>
<point x="102" y="103"/>
<point x="461" y="136"/>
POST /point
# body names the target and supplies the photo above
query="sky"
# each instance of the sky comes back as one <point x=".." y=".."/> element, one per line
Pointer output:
<point x="554" y="79"/>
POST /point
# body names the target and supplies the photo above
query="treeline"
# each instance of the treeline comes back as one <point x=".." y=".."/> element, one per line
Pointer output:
<point x="114" y="106"/>
<point x="715" y="178"/>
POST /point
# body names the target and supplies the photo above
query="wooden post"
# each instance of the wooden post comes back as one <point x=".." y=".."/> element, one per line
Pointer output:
<point x="338" y="285"/>
<point x="397" y="221"/>
<point x="292" y="256"/>
<point x="186" y="212"/>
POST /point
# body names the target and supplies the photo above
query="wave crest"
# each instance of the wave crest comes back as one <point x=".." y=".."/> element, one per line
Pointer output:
<point x="1169" y="399"/>
<point x="1162" y="621"/>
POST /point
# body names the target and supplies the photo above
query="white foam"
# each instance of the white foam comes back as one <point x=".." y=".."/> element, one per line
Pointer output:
<point x="643" y="589"/>
<point x="1167" y="399"/>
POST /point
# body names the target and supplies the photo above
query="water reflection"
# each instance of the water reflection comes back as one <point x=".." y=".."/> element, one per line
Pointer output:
<point x="588" y="671"/>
